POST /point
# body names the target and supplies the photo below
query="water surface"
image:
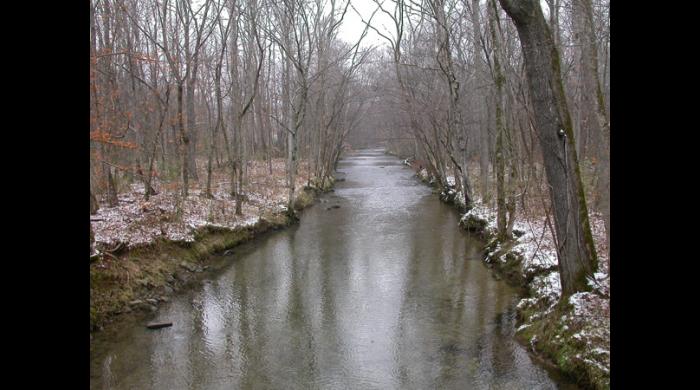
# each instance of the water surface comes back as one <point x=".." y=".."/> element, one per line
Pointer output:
<point x="382" y="293"/>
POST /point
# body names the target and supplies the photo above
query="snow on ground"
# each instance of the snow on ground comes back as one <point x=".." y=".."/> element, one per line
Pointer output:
<point x="459" y="200"/>
<point x="481" y="212"/>
<point x="538" y="249"/>
<point x="547" y="288"/>
<point x="589" y="317"/>
<point x="424" y="175"/>
<point x="135" y="221"/>
<point x="536" y="245"/>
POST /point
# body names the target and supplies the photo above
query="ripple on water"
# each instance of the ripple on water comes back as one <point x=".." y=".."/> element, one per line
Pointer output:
<point x="377" y="294"/>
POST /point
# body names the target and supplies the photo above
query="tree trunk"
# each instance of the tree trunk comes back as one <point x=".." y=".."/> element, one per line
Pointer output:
<point x="191" y="129"/>
<point x="499" y="80"/>
<point x="147" y="189"/>
<point x="94" y="205"/>
<point x="577" y="256"/>
<point x="291" y="137"/>
<point x="291" y="168"/>
<point x="112" y="199"/>
<point x="483" y="129"/>
<point x="453" y="115"/>
<point x="210" y="158"/>
<point x="240" y="163"/>
<point x="92" y="238"/>
<point x="184" y="142"/>
<point x="592" y="95"/>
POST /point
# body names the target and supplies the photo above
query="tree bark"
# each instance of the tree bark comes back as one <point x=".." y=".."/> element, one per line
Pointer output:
<point x="577" y="255"/>
<point x="499" y="80"/>
<point x="191" y="127"/>
<point x="112" y="199"/>
<point x="184" y="140"/>
<point x="483" y="129"/>
<point x="94" y="205"/>
<point x="92" y="237"/>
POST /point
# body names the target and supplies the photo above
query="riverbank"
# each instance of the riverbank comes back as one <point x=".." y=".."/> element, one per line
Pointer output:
<point x="146" y="251"/>
<point x="370" y="290"/>
<point x="573" y="335"/>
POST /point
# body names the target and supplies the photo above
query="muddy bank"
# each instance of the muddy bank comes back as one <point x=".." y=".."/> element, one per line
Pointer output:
<point x="570" y="335"/>
<point x="134" y="281"/>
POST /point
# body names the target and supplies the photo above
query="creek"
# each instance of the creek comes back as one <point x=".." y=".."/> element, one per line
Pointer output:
<point x="384" y="292"/>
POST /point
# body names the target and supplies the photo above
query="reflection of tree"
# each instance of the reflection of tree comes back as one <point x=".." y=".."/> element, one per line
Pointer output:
<point x="298" y="315"/>
<point x="501" y="350"/>
<point x="333" y="255"/>
<point x="247" y="346"/>
<point x="407" y="306"/>
<point x="197" y="345"/>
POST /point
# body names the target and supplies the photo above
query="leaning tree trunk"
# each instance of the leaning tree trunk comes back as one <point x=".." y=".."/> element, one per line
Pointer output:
<point x="577" y="255"/>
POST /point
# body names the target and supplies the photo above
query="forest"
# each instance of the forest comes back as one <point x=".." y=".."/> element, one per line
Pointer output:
<point x="210" y="115"/>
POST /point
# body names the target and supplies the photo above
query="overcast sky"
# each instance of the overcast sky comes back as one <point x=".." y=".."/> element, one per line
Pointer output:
<point x="352" y="26"/>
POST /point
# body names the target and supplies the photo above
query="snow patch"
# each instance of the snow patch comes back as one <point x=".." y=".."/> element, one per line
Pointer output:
<point x="135" y="221"/>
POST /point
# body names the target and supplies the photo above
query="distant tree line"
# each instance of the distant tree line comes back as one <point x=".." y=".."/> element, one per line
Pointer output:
<point x="510" y="99"/>
<point x="502" y="95"/>
<point x="176" y="85"/>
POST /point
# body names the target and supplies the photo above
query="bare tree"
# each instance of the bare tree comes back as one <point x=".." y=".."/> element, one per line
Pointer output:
<point x="577" y="255"/>
<point x="229" y="82"/>
<point x="595" y="115"/>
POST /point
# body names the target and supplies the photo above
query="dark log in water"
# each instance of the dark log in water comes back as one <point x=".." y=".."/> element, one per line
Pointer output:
<point x="158" y="325"/>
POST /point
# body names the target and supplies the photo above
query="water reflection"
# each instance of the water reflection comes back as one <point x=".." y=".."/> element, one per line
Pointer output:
<point x="382" y="293"/>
